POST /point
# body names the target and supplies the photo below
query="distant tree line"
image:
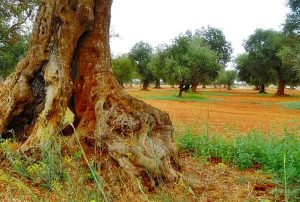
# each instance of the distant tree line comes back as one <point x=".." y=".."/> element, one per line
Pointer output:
<point x="271" y="57"/>
<point x="191" y="59"/>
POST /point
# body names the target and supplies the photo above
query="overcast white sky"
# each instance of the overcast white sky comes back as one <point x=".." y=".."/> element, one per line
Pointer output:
<point x="159" y="21"/>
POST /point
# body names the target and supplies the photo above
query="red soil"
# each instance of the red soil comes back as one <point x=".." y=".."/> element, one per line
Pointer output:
<point x="242" y="110"/>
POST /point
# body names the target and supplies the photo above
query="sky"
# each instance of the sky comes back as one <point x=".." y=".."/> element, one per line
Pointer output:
<point x="159" y="21"/>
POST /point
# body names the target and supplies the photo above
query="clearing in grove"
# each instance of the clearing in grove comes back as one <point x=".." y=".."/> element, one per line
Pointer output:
<point x="240" y="109"/>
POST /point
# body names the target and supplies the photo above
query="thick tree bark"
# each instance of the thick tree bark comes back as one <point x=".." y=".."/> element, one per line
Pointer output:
<point x="69" y="65"/>
<point x="281" y="87"/>
<point x="194" y="87"/>
<point x="157" y="84"/>
<point x="262" y="88"/>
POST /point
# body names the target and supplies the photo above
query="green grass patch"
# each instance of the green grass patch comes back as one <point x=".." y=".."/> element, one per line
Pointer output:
<point x="265" y="94"/>
<point x="291" y="105"/>
<point x="215" y="93"/>
<point x="272" y="154"/>
<point x="65" y="175"/>
<point x="187" y="97"/>
<point x="295" y="96"/>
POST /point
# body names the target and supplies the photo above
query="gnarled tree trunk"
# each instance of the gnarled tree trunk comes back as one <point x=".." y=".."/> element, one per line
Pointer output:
<point x="69" y="65"/>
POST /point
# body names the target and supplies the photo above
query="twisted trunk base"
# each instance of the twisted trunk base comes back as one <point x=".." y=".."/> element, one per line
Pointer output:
<point x="69" y="66"/>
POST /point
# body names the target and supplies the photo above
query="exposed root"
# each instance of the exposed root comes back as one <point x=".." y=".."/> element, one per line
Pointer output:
<point x="145" y="154"/>
<point x="138" y="137"/>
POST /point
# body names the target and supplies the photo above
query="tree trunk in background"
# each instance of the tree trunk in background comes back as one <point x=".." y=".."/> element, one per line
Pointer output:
<point x="229" y="87"/>
<point x="261" y="88"/>
<point x="204" y="86"/>
<point x="145" y="85"/>
<point x="69" y="65"/>
<point x="181" y="89"/>
<point x="157" y="84"/>
<point x="194" y="87"/>
<point x="281" y="87"/>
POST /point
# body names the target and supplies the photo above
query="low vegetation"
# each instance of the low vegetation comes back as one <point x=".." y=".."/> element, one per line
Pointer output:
<point x="291" y="105"/>
<point x="187" y="98"/>
<point x="266" y="152"/>
<point x="57" y="174"/>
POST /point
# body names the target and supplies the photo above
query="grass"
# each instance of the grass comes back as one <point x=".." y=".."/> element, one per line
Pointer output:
<point x="73" y="177"/>
<point x="187" y="97"/>
<point x="215" y="93"/>
<point x="265" y="94"/>
<point x="291" y="105"/>
<point x="14" y="182"/>
<point x="272" y="154"/>
<point x="65" y="176"/>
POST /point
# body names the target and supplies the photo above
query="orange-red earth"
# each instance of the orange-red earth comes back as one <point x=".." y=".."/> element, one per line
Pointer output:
<point x="221" y="111"/>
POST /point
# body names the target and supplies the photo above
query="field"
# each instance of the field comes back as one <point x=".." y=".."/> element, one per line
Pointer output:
<point x="223" y="110"/>
<point x="229" y="113"/>
<point x="233" y="146"/>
